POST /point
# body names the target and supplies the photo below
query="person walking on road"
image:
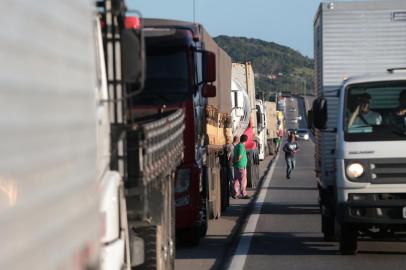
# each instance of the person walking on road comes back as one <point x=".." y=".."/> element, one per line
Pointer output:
<point x="240" y="169"/>
<point x="290" y="148"/>
<point x="230" y="160"/>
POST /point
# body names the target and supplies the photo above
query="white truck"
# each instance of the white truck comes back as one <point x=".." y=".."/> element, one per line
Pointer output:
<point x="244" y="104"/>
<point x="82" y="184"/>
<point x="138" y="156"/>
<point x="359" y="117"/>
<point x="49" y="199"/>
<point x="261" y="129"/>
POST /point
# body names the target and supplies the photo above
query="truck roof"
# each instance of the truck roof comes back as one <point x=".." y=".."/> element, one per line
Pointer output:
<point x="377" y="77"/>
<point x="164" y="23"/>
<point x="356" y="6"/>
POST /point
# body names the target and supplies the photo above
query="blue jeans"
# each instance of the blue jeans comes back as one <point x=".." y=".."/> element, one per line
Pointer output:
<point x="230" y="173"/>
<point x="290" y="162"/>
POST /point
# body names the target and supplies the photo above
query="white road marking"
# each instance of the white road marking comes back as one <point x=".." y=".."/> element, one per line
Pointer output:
<point x="240" y="256"/>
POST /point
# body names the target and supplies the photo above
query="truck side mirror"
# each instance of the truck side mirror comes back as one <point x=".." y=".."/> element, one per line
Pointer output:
<point x="209" y="66"/>
<point x="319" y="113"/>
<point x="132" y="54"/>
<point x="209" y="91"/>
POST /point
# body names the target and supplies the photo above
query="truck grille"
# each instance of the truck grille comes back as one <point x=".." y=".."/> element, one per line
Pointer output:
<point x="388" y="171"/>
<point x="377" y="206"/>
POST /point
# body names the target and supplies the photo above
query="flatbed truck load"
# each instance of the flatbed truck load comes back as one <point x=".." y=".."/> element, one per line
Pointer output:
<point x="360" y="125"/>
<point x="218" y="129"/>
<point x="272" y="127"/>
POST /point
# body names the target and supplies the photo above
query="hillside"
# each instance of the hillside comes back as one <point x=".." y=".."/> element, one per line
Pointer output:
<point x="276" y="67"/>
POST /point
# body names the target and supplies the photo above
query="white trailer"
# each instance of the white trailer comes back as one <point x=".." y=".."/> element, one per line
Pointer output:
<point x="243" y="78"/>
<point x="137" y="156"/>
<point x="361" y="170"/>
<point x="261" y="129"/>
<point x="49" y="197"/>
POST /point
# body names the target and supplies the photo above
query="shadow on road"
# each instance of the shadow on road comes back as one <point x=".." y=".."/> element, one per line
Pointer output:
<point x="292" y="188"/>
<point x="290" y="209"/>
<point x="280" y="243"/>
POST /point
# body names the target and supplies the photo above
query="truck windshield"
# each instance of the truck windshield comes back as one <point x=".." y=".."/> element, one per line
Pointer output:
<point x="375" y="112"/>
<point x="167" y="76"/>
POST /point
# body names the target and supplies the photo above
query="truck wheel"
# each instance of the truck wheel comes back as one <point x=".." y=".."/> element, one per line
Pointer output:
<point x="159" y="250"/>
<point x="205" y="221"/>
<point x="156" y="245"/>
<point x="189" y="237"/>
<point x="150" y="237"/>
<point x="272" y="150"/>
<point x="225" y="189"/>
<point x="348" y="240"/>
<point x="327" y="227"/>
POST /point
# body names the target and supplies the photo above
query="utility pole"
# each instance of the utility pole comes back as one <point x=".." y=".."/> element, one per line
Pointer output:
<point x="194" y="11"/>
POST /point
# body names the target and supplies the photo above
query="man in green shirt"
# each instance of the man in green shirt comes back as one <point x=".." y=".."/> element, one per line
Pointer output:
<point x="240" y="169"/>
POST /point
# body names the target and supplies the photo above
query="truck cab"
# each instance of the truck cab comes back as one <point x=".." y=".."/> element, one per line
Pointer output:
<point x="178" y="76"/>
<point x="359" y="131"/>
<point x="370" y="183"/>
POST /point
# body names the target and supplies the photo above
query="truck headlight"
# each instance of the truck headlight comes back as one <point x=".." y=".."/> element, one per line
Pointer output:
<point x="354" y="170"/>
<point x="306" y="137"/>
<point x="182" y="180"/>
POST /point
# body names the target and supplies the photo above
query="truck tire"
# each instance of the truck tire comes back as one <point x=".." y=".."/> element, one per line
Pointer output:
<point x="159" y="253"/>
<point x="205" y="222"/>
<point x="149" y="235"/>
<point x="327" y="228"/>
<point x="272" y="148"/>
<point x="225" y="189"/>
<point x="189" y="237"/>
<point x="205" y="203"/>
<point x="214" y="193"/>
<point x="348" y="240"/>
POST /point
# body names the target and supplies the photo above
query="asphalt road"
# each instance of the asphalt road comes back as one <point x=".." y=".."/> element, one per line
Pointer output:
<point x="213" y="250"/>
<point x="283" y="230"/>
<point x="286" y="233"/>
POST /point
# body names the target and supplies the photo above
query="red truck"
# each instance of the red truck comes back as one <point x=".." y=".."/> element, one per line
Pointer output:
<point x="182" y="73"/>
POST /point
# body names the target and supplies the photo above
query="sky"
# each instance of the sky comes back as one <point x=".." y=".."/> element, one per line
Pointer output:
<point x="286" y="22"/>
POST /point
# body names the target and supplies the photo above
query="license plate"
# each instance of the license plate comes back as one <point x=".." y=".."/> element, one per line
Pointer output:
<point x="404" y="212"/>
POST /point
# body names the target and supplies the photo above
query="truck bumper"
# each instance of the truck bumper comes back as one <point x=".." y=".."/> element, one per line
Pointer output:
<point x="367" y="213"/>
<point x="112" y="256"/>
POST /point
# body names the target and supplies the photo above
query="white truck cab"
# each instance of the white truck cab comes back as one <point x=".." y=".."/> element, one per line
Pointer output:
<point x="359" y="122"/>
<point x="371" y="166"/>
<point x="370" y="161"/>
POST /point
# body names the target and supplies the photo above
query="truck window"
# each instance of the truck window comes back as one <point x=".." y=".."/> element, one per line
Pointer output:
<point x="374" y="112"/>
<point x="167" y="76"/>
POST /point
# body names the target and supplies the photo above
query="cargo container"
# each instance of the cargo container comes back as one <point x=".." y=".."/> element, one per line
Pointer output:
<point x="49" y="199"/>
<point x="362" y="186"/>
